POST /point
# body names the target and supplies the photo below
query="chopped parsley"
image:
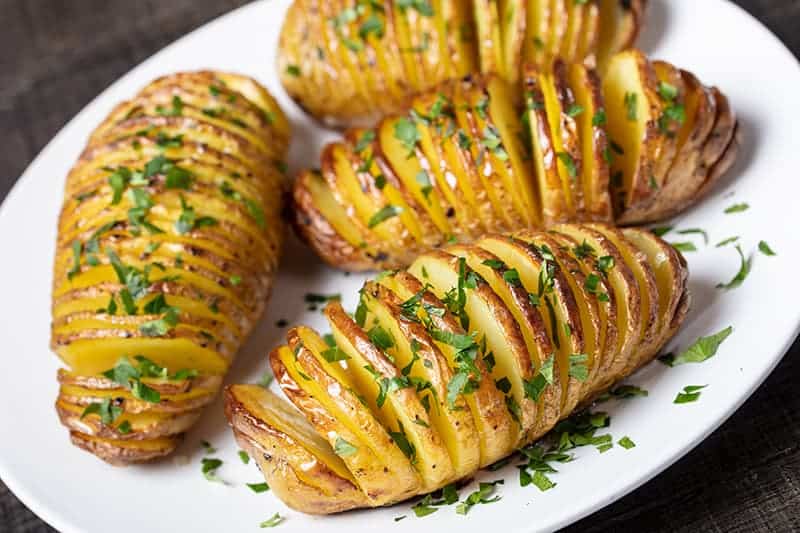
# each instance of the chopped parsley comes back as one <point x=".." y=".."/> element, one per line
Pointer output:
<point x="690" y="393"/>
<point x="741" y="275"/>
<point x="343" y="448"/>
<point x="693" y="231"/>
<point x="383" y="214"/>
<point x="258" y="488"/>
<point x="764" y="248"/>
<point x="737" y="208"/>
<point x="272" y="521"/>
<point x="701" y="350"/>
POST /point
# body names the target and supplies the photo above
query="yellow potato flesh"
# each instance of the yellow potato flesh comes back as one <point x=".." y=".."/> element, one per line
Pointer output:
<point x="442" y="279"/>
<point x="91" y="356"/>
<point x="465" y="458"/>
<point x="529" y="275"/>
<point x="493" y="444"/>
<point x="623" y="83"/>
<point x="277" y="413"/>
<point x="407" y="168"/>
<point x="505" y="119"/>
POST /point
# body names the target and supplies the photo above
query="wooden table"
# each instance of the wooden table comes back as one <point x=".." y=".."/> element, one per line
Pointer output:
<point x="55" y="56"/>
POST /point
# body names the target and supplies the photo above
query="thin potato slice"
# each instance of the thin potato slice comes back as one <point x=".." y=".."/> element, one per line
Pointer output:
<point x="648" y="290"/>
<point x="542" y="278"/>
<point x="399" y="409"/>
<point x="497" y="431"/>
<point x="633" y="108"/>
<point x="591" y="119"/>
<point x="532" y="326"/>
<point x="329" y="397"/>
<point x="489" y="321"/>
<point x="423" y="366"/>
<point x="606" y="260"/>
<point x="300" y="467"/>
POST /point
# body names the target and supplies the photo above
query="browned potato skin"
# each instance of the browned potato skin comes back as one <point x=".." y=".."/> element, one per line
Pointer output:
<point x="280" y="458"/>
<point x="345" y="79"/>
<point x="671" y="312"/>
<point x="670" y="177"/>
<point x="224" y="129"/>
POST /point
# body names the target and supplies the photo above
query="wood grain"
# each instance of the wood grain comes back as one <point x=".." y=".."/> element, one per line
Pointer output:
<point x="56" y="56"/>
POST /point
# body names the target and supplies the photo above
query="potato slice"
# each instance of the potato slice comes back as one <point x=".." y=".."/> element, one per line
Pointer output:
<point x="561" y="108"/>
<point x="489" y="194"/>
<point x="595" y="294"/>
<point x="436" y="127"/>
<point x="723" y="164"/>
<point x="484" y="313"/>
<point x="496" y="152"/>
<point x="543" y="279"/>
<point x="543" y="152"/>
<point x="571" y="42"/>
<point x="505" y="120"/>
<point x="590" y="121"/>
<point x="724" y="132"/>
<point x="139" y="426"/>
<point x="633" y="108"/>
<point x="458" y="31"/>
<point x="607" y="261"/>
<point x="325" y="225"/>
<point x="648" y="290"/>
<point x="671" y="276"/>
<point x="423" y="366"/>
<point x="545" y="404"/>
<point x="123" y="452"/>
<point x="557" y="27"/>
<point x="300" y="467"/>
<point x="330" y="398"/>
<point x="620" y="24"/>
<point x="513" y="18"/>
<point x="399" y="409"/>
<point x="399" y="142"/>
<point x="672" y="92"/>
<point x="591" y="328"/>
<point x="489" y="36"/>
<point x="497" y="431"/>
<point x="589" y="35"/>
<point x="536" y="33"/>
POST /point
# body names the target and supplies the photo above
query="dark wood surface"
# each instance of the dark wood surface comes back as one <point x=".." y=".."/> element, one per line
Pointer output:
<point x="55" y="56"/>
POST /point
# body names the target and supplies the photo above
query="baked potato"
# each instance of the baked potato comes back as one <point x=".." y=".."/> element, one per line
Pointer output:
<point x="168" y="240"/>
<point x="639" y="146"/>
<point x="451" y="365"/>
<point x="350" y="63"/>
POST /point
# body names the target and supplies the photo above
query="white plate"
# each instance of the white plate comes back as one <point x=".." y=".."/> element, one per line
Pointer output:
<point x="74" y="491"/>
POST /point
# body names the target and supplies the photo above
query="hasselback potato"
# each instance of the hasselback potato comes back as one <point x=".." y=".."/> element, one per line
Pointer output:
<point x="451" y="365"/>
<point x="168" y="241"/>
<point x="643" y="144"/>
<point x="349" y="62"/>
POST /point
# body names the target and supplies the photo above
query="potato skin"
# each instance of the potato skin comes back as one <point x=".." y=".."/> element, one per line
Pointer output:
<point x="460" y="159"/>
<point x="443" y="305"/>
<point x="168" y="241"/>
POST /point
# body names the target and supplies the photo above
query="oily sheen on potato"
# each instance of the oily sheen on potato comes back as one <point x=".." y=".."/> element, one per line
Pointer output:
<point x="462" y="160"/>
<point x="451" y="365"/>
<point x="349" y="62"/>
<point x="168" y="240"/>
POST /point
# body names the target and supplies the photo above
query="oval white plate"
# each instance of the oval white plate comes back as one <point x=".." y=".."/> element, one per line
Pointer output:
<point x="74" y="492"/>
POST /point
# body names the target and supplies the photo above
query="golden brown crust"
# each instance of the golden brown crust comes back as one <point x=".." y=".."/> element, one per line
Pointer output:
<point x="459" y="164"/>
<point x="492" y="302"/>
<point x="344" y="75"/>
<point x="169" y="237"/>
